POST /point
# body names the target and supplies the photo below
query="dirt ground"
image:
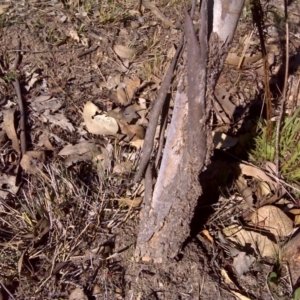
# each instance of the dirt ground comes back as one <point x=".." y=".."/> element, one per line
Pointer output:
<point x="69" y="216"/>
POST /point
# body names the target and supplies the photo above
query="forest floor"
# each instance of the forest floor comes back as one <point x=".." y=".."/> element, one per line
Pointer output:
<point x="89" y="72"/>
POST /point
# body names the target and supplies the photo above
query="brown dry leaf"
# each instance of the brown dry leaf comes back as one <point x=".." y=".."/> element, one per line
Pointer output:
<point x="256" y="173"/>
<point x="44" y="141"/>
<point x="72" y="33"/>
<point x="41" y="228"/>
<point x="295" y="211"/>
<point x="131" y="85"/>
<point x="44" y="102"/>
<point x="133" y="132"/>
<point x="124" y="52"/>
<point x="8" y="185"/>
<point x="131" y="202"/>
<point x="240" y="296"/>
<point x="20" y="262"/>
<point x="258" y="241"/>
<point x="244" y="190"/>
<point x="98" y="124"/>
<point x="274" y="219"/>
<point x="78" y="294"/>
<point x="80" y="148"/>
<point x="223" y="141"/>
<point x="58" y="119"/>
<point x="206" y="234"/>
<point x="150" y="5"/>
<point x="96" y="290"/>
<point x="226" y="277"/>
<point x="124" y="167"/>
<point x="297" y="220"/>
<point x="113" y="81"/>
<point x="119" y="96"/>
<point x="32" y="161"/>
<point x="3" y="8"/>
<point x="263" y="189"/>
<point x="234" y="60"/>
<point x="138" y="144"/>
<point x="9" y="128"/>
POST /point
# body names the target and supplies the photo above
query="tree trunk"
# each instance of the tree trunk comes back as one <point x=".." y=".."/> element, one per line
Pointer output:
<point x="165" y="218"/>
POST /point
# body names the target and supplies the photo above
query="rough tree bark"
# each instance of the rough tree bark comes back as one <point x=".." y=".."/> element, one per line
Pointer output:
<point x="165" y="218"/>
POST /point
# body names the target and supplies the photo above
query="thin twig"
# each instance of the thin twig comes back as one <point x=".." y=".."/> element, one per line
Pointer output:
<point x="87" y="51"/>
<point x="7" y="291"/>
<point x="17" y="87"/>
<point x="163" y="127"/>
<point x="156" y="111"/>
<point x="277" y="150"/>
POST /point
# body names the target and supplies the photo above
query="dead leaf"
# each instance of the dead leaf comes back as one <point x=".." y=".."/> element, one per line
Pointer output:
<point x="131" y="85"/>
<point x="240" y="296"/>
<point x="248" y="61"/>
<point x="7" y="185"/>
<point x="226" y="277"/>
<point x="96" y="290"/>
<point x="98" y="124"/>
<point x="244" y="190"/>
<point x="242" y="263"/>
<point x="32" y="161"/>
<point x="275" y="220"/>
<point x="124" y="167"/>
<point x="119" y="96"/>
<point x="41" y="228"/>
<point x="133" y="132"/>
<point x="297" y="220"/>
<point x="9" y="128"/>
<point x="42" y="103"/>
<point x="44" y="141"/>
<point x="73" y="35"/>
<point x="124" y="52"/>
<point x="58" y="119"/>
<point x="256" y="173"/>
<point x="131" y="202"/>
<point x="138" y="144"/>
<point x="207" y="235"/>
<point x="3" y="8"/>
<point x="80" y="148"/>
<point x="157" y="13"/>
<point x="258" y="241"/>
<point x="295" y="211"/>
<point x="113" y="81"/>
<point x="20" y="262"/>
<point x="78" y="294"/>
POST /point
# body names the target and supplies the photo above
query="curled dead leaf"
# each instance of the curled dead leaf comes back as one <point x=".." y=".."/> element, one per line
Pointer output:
<point x="9" y="128"/>
<point x="98" y="124"/>
<point x="8" y="185"/>
<point x="32" y="161"/>
<point x="130" y="202"/>
<point x="274" y="220"/>
<point x="124" y="167"/>
<point x="257" y="240"/>
<point x="78" y="294"/>
<point x="124" y="52"/>
<point x="150" y="5"/>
